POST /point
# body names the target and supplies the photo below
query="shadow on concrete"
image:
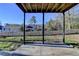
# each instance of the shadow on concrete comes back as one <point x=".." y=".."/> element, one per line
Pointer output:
<point x="52" y="45"/>
<point x="4" y="53"/>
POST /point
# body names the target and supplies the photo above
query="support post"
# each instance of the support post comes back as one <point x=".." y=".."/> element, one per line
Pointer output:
<point x="24" y="29"/>
<point x="43" y="28"/>
<point x="63" y="27"/>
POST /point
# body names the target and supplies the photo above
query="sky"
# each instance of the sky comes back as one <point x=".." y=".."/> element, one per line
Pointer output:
<point x="12" y="14"/>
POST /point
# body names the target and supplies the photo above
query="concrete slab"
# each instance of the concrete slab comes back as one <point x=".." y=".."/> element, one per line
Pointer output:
<point x="47" y="50"/>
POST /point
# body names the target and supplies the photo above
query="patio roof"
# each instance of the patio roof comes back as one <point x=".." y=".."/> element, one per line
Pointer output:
<point x="45" y="7"/>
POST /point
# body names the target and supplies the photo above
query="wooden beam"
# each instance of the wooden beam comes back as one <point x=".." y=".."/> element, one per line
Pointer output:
<point x="62" y="5"/>
<point x="30" y="6"/>
<point x="73" y="5"/>
<point x="21" y="7"/>
<point x="36" y="6"/>
<point x="45" y="6"/>
<point x="65" y="7"/>
<point x="41" y="7"/>
<point x="55" y="5"/>
<point x="24" y="6"/>
<point x="48" y="7"/>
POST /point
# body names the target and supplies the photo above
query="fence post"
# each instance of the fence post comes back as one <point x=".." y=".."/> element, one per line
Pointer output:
<point x="63" y="27"/>
<point x="43" y="28"/>
<point x="24" y="29"/>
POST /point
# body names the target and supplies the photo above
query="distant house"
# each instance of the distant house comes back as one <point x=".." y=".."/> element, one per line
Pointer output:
<point x="1" y="28"/>
<point x="17" y="28"/>
<point x="38" y="27"/>
<point x="29" y="28"/>
<point x="34" y="27"/>
<point x="12" y="28"/>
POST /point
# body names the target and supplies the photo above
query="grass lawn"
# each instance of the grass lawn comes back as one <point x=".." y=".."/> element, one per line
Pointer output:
<point x="72" y="39"/>
<point x="68" y="38"/>
<point x="13" y="45"/>
<point x="11" y="38"/>
<point x="9" y="45"/>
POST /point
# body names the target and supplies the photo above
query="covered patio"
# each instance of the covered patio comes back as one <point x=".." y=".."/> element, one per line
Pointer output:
<point x="34" y="43"/>
<point x="45" y="8"/>
<point x="44" y="49"/>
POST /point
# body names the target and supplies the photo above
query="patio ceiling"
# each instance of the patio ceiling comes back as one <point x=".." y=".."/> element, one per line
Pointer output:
<point x="45" y="7"/>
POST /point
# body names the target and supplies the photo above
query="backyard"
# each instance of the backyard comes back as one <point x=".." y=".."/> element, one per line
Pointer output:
<point x="12" y="43"/>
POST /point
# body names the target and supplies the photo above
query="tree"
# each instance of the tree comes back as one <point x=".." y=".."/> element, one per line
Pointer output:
<point x="22" y="28"/>
<point x="51" y="24"/>
<point x="58" y="26"/>
<point x="33" y="20"/>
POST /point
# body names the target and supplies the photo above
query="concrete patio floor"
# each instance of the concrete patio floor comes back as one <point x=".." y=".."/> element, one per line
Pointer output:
<point x="47" y="50"/>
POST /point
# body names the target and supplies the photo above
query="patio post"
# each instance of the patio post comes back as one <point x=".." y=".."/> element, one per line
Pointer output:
<point x="63" y="27"/>
<point x="24" y="29"/>
<point x="43" y="28"/>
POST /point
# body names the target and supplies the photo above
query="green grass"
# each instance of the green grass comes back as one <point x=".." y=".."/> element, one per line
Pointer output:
<point x="33" y="38"/>
<point x="9" y="45"/>
<point x="53" y="38"/>
<point x="67" y="40"/>
<point x="5" y="45"/>
<point x="13" y="45"/>
<point x="11" y="38"/>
